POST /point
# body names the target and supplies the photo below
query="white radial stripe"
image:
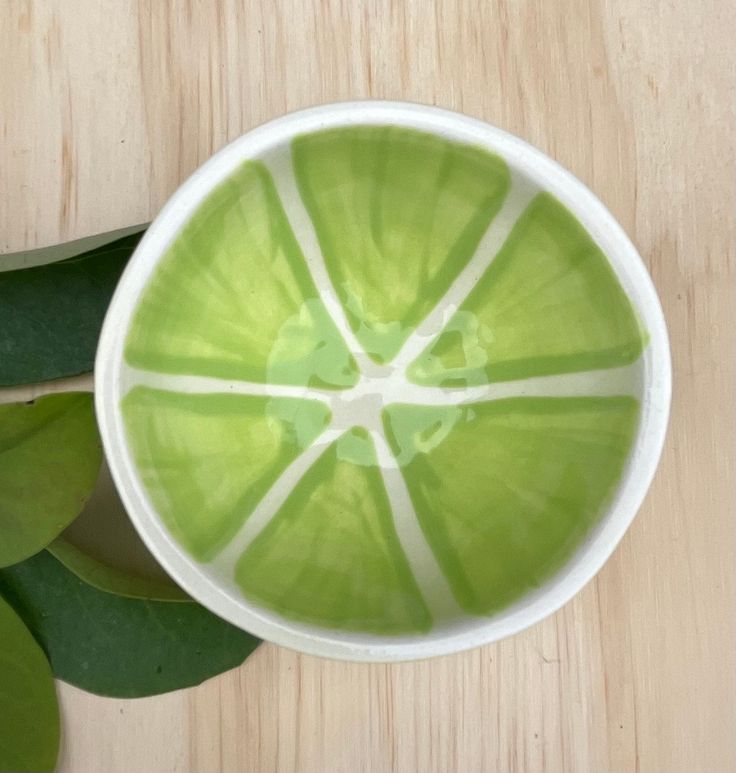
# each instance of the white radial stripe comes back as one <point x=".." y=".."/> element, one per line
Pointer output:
<point x="282" y="172"/>
<point x="193" y="385"/>
<point x="348" y="409"/>
<point x="274" y="498"/>
<point x="609" y="382"/>
<point x="521" y="192"/>
<point x="427" y="573"/>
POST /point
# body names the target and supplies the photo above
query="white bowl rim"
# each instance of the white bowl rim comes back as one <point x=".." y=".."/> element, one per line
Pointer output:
<point x="589" y="558"/>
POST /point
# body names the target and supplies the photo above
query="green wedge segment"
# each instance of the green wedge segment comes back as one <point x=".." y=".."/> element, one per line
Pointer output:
<point x="398" y="214"/>
<point x="207" y="460"/>
<point x="506" y="490"/>
<point x="548" y="303"/>
<point x="233" y="298"/>
<point x="330" y="556"/>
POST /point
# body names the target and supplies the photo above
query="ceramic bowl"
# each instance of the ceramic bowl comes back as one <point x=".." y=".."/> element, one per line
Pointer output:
<point x="383" y="382"/>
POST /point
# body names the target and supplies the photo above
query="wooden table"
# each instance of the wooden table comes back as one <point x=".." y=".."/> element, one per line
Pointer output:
<point x="107" y="106"/>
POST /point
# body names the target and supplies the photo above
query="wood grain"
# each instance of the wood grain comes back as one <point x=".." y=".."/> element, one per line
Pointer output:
<point x="107" y="106"/>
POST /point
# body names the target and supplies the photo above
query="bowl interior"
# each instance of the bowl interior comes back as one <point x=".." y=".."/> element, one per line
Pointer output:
<point x="382" y="381"/>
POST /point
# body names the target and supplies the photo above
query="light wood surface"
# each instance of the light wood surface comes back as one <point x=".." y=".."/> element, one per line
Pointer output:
<point x="106" y="106"/>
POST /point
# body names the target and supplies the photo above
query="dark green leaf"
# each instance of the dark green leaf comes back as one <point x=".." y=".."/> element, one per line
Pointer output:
<point x="49" y="459"/>
<point x="122" y="647"/>
<point x="52" y="314"/>
<point x="29" y="713"/>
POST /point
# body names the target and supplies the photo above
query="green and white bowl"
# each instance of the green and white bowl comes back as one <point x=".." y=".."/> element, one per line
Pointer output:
<point x="383" y="382"/>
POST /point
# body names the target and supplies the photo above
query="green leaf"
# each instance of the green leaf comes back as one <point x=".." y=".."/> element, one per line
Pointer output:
<point x="112" y="580"/>
<point x="116" y="646"/>
<point x="52" y="314"/>
<point x="29" y="713"/>
<point x="102" y="548"/>
<point x="50" y="455"/>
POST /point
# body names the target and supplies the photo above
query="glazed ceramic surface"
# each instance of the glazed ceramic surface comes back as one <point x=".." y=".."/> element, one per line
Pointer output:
<point x="383" y="382"/>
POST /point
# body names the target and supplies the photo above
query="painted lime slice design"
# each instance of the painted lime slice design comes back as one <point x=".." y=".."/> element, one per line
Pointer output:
<point x="435" y="445"/>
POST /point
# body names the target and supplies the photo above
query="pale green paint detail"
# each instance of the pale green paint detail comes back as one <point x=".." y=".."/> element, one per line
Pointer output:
<point x="29" y="712"/>
<point x="50" y="457"/>
<point x="110" y="579"/>
<point x="233" y="297"/>
<point x="207" y="460"/>
<point x="548" y="303"/>
<point x="398" y="214"/>
<point x="419" y="431"/>
<point x="513" y="488"/>
<point x="331" y="555"/>
<point x="356" y="447"/>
